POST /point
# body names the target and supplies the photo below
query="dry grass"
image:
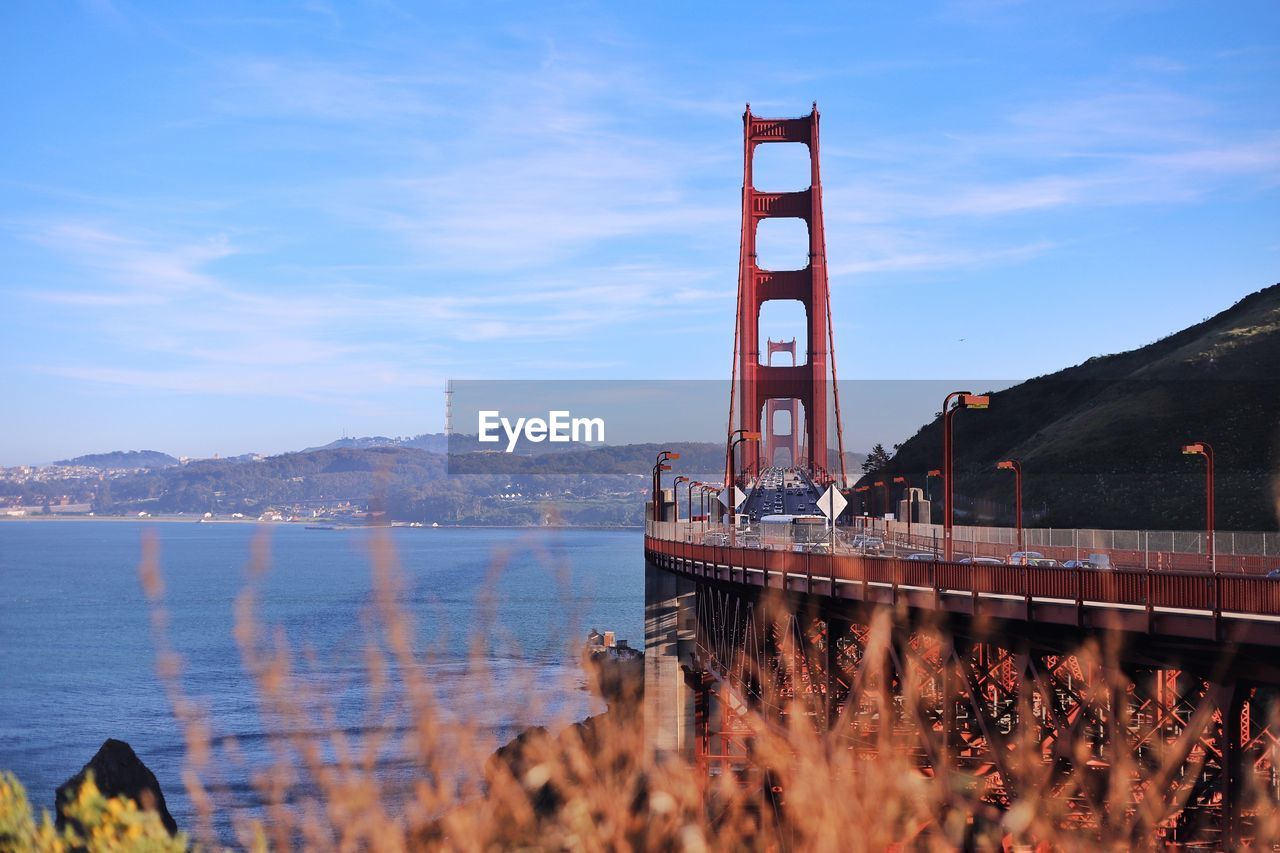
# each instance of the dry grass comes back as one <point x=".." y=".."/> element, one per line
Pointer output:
<point x="599" y="786"/>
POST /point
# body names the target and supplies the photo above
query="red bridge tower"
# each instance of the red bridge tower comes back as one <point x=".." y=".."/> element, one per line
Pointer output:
<point x="802" y="389"/>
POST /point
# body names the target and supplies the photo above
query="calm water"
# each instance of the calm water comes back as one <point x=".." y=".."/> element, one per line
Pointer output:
<point x="77" y="655"/>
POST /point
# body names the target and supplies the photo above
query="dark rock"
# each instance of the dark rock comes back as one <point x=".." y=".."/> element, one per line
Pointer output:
<point x="118" y="772"/>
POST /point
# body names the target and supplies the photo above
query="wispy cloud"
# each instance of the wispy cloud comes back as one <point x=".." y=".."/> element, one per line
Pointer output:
<point x="907" y="260"/>
<point x="330" y="91"/>
<point x="899" y="202"/>
<point x="174" y="321"/>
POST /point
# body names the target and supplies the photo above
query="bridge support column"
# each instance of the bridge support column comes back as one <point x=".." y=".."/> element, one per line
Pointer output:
<point x="836" y="678"/>
<point x="669" y="625"/>
<point x="1233" y="766"/>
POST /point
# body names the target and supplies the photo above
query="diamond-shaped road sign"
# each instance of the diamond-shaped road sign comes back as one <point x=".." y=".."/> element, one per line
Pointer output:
<point x="738" y="497"/>
<point x="832" y="503"/>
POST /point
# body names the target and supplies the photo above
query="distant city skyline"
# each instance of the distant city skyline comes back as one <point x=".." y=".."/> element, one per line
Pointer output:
<point x="250" y="228"/>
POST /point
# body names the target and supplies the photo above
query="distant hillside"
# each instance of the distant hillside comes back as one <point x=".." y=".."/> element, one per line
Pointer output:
<point x="699" y="458"/>
<point x="1100" y="442"/>
<point x="853" y="462"/>
<point x="433" y="442"/>
<point x="602" y="486"/>
<point x="123" y="459"/>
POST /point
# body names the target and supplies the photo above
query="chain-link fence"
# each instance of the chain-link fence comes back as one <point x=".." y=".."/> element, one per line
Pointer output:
<point x="1251" y="552"/>
<point x="1245" y="552"/>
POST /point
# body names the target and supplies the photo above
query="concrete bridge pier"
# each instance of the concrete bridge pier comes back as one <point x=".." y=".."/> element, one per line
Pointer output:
<point x="670" y="622"/>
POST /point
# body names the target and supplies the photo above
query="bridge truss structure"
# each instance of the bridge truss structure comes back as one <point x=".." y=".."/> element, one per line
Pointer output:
<point x="1157" y="728"/>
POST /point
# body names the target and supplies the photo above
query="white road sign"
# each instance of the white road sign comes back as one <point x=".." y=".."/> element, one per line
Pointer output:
<point x="832" y="503"/>
<point x="738" y="497"/>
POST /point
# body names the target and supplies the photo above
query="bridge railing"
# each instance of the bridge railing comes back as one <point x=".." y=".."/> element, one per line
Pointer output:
<point x="1201" y="591"/>
<point x="1242" y="552"/>
<point x="926" y="539"/>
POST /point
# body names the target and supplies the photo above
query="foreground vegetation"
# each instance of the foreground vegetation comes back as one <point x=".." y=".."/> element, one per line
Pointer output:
<point x="586" y="786"/>
<point x="95" y="823"/>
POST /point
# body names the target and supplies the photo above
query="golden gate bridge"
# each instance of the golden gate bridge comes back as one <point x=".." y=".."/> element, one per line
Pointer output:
<point x="744" y="628"/>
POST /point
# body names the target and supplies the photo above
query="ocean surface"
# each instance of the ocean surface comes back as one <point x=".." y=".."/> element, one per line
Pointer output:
<point x="498" y="615"/>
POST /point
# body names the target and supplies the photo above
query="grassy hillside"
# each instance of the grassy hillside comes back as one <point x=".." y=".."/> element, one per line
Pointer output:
<point x="1099" y="442"/>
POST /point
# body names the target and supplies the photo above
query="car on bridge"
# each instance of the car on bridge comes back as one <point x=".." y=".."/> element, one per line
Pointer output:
<point x="1095" y="561"/>
<point x="1025" y="558"/>
<point x="863" y="542"/>
<point x="982" y="561"/>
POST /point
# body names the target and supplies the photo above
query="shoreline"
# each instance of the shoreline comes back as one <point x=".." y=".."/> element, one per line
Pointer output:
<point x="175" y="519"/>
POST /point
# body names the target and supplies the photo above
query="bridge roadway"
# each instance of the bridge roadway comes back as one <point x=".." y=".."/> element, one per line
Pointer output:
<point x="782" y="491"/>
<point x="1200" y="622"/>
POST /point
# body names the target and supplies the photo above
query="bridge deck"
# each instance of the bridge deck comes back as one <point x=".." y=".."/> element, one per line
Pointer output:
<point x="1193" y="606"/>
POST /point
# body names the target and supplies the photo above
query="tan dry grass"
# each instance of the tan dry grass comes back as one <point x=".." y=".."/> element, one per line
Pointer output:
<point x="599" y="787"/>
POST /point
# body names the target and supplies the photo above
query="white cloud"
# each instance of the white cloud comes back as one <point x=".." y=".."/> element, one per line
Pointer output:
<point x="915" y="261"/>
<point x="173" y="322"/>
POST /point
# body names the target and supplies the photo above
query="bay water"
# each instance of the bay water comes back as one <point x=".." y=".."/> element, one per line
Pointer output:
<point x="499" y="615"/>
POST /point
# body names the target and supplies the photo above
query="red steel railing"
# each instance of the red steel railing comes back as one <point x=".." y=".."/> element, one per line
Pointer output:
<point x="1197" y="591"/>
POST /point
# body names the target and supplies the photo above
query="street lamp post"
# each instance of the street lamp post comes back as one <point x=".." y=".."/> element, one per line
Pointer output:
<point x="884" y="500"/>
<point x="735" y="438"/>
<point x="928" y="491"/>
<point x="862" y="490"/>
<point x="659" y="466"/>
<point x="1016" y="467"/>
<point x="1203" y="448"/>
<point x="693" y="484"/>
<point x="964" y="400"/>
<point x="675" y="494"/>
<point x="906" y="484"/>
<point x="705" y="489"/>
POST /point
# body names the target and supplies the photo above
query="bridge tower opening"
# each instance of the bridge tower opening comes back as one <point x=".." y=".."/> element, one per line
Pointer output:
<point x="761" y="389"/>
<point x="781" y="446"/>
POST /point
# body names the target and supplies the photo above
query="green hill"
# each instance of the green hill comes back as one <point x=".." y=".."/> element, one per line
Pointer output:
<point x="121" y="459"/>
<point x="1100" y="442"/>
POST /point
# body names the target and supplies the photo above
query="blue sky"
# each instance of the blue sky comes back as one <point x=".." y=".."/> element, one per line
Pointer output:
<point x="231" y="227"/>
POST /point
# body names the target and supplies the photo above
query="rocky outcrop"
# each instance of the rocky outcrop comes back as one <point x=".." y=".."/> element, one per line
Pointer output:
<point x="118" y="772"/>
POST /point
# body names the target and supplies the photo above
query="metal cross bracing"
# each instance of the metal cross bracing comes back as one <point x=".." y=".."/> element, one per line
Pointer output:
<point x="1124" y="748"/>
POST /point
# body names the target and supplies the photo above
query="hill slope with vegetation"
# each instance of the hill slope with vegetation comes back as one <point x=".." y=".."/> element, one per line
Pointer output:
<point x="1100" y="442"/>
<point x="123" y="459"/>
